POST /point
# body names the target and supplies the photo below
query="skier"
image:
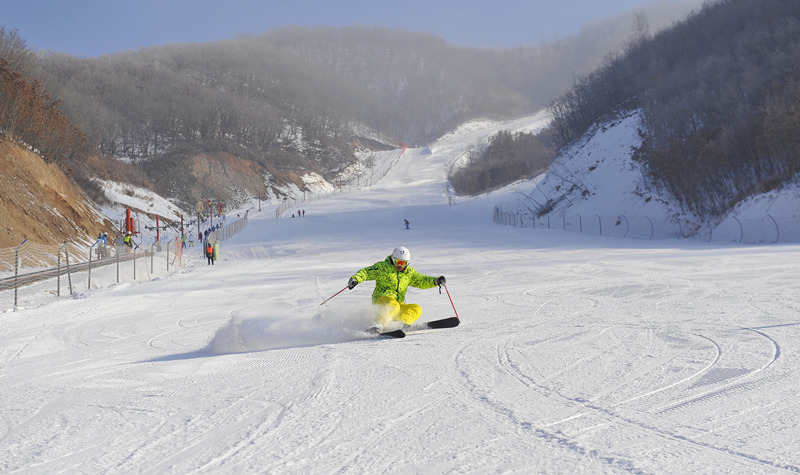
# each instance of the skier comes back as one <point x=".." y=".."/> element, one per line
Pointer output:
<point x="101" y="246"/>
<point x="105" y="245"/>
<point x="210" y="253"/>
<point x="392" y="278"/>
<point x="407" y="223"/>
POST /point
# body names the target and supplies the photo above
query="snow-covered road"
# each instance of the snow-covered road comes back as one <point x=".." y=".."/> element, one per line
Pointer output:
<point x="576" y="354"/>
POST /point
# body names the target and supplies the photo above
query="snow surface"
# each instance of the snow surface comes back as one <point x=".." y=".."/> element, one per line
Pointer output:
<point x="576" y="353"/>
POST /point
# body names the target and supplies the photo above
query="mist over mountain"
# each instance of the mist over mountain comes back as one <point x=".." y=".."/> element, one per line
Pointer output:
<point x="301" y="100"/>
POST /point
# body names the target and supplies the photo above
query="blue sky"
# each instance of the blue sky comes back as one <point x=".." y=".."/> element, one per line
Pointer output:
<point x="94" y="27"/>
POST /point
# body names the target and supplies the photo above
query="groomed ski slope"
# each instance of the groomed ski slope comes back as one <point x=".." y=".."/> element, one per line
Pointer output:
<point x="576" y="353"/>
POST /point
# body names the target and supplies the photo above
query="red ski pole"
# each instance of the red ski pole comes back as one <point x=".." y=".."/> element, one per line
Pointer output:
<point x="334" y="295"/>
<point x="451" y="302"/>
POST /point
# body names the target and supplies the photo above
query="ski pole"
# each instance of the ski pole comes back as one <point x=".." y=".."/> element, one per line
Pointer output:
<point x="334" y="295"/>
<point x="451" y="302"/>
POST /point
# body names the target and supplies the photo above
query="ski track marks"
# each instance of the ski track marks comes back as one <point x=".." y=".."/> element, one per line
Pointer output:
<point x="647" y="393"/>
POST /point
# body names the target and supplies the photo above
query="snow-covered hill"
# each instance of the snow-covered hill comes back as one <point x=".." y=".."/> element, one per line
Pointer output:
<point x="594" y="185"/>
<point x="576" y="353"/>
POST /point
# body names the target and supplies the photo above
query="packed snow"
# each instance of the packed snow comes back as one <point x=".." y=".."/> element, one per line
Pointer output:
<point x="576" y="353"/>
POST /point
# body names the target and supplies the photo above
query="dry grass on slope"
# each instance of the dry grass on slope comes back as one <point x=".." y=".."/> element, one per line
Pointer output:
<point x="39" y="202"/>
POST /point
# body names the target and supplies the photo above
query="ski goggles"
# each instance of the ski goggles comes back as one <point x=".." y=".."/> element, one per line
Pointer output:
<point x="400" y="262"/>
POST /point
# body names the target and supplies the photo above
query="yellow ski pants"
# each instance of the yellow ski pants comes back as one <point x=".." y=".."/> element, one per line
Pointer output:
<point x="390" y="309"/>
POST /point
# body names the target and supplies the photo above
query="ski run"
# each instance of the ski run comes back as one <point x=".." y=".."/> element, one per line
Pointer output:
<point x="575" y="353"/>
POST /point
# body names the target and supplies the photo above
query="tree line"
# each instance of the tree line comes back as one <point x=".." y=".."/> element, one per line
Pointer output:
<point x="508" y="157"/>
<point x="719" y="95"/>
<point x="28" y="115"/>
<point x="316" y="85"/>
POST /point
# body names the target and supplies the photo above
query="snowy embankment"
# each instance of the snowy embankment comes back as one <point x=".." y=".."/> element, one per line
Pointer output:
<point x="576" y="353"/>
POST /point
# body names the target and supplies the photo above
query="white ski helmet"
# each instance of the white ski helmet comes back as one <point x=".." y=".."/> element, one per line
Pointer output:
<point x="401" y="254"/>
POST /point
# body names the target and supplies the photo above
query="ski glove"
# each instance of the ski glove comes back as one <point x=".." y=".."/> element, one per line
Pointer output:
<point x="440" y="280"/>
<point x="352" y="283"/>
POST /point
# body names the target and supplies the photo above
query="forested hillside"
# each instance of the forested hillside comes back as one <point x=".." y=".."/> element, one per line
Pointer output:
<point x="720" y="101"/>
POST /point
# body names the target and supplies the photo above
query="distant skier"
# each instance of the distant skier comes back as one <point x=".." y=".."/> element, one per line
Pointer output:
<point x="392" y="278"/>
<point x="128" y="240"/>
<point x="407" y="223"/>
<point x="210" y="252"/>
<point x="102" y="240"/>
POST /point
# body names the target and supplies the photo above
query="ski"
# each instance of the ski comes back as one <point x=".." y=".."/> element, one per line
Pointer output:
<point x="393" y="334"/>
<point x="376" y="333"/>
<point x="426" y="327"/>
<point x="449" y="322"/>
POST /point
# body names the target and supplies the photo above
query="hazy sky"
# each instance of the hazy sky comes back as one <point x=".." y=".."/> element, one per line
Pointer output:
<point x="94" y="27"/>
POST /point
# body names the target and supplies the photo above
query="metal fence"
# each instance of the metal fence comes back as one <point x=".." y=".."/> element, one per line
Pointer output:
<point x="230" y="230"/>
<point x="766" y="229"/>
<point x="67" y="268"/>
<point x="61" y="268"/>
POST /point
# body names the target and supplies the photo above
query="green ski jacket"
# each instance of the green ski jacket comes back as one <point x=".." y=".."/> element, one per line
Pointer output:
<point x="390" y="282"/>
